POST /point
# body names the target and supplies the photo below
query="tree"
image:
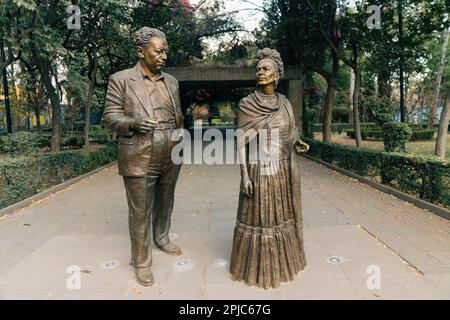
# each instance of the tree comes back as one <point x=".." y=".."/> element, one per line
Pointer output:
<point x="440" y="72"/>
<point x="441" y="140"/>
<point x="290" y="26"/>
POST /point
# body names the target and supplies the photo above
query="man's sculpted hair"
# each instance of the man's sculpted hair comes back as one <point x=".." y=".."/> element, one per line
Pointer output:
<point x="143" y="36"/>
<point x="273" y="55"/>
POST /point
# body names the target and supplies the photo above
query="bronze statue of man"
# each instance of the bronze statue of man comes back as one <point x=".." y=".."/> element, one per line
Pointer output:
<point x="143" y="107"/>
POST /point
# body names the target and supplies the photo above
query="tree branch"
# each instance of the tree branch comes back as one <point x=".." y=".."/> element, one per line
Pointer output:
<point x="328" y="40"/>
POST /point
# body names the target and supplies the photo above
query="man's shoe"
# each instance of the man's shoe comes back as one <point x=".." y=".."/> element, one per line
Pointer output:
<point x="171" y="249"/>
<point x="144" y="276"/>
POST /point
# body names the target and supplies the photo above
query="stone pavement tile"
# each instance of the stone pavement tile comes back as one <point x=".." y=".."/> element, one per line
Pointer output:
<point x="316" y="281"/>
<point x="103" y="228"/>
<point x="92" y="241"/>
<point x="22" y="244"/>
<point x="217" y="263"/>
<point x="25" y="295"/>
<point x="186" y="270"/>
<point x="347" y="241"/>
<point x="100" y="294"/>
<point x="217" y="271"/>
<point x="315" y="253"/>
<point x="398" y="280"/>
<point x="408" y="287"/>
<point x="83" y="227"/>
<point x="98" y="268"/>
<point x="199" y="224"/>
<point x="179" y="293"/>
<point x="222" y="224"/>
<point x="422" y="260"/>
<point x="442" y="256"/>
<point x="160" y="258"/>
<point x="324" y="216"/>
<point x="219" y="239"/>
<point x="12" y="234"/>
<point x="440" y="281"/>
<point x="425" y="262"/>
<point x="223" y="214"/>
<point x="237" y="290"/>
<point x="416" y="236"/>
<point x="189" y="240"/>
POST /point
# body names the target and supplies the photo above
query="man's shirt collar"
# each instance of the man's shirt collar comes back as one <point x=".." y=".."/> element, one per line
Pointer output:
<point x="145" y="76"/>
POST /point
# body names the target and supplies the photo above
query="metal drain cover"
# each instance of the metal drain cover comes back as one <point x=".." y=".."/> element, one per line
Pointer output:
<point x="220" y="263"/>
<point x="183" y="265"/>
<point x="335" y="260"/>
<point x="110" y="264"/>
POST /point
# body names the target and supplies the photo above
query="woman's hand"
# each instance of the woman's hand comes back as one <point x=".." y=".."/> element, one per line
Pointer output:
<point x="247" y="186"/>
<point x="300" y="146"/>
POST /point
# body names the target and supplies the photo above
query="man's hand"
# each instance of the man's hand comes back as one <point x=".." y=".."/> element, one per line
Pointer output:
<point x="143" y="125"/>
<point x="300" y="146"/>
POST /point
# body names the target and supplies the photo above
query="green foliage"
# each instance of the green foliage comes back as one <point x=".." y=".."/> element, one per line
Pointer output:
<point x="22" y="143"/>
<point x="339" y="127"/>
<point x="395" y="135"/>
<point x="25" y="176"/>
<point x="72" y="140"/>
<point x="427" y="179"/>
<point x="381" y="110"/>
<point x="377" y="134"/>
<point x="340" y="114"/>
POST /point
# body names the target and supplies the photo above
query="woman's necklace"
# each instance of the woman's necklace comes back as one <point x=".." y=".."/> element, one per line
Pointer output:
<point x="268" y="98"/>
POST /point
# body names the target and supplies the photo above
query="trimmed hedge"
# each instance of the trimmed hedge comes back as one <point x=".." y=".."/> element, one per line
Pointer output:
<point x="25" y="176"/>
<point x="427" y="179"/>
<point x="376" y="134"/>
<point x="339" y="127"/>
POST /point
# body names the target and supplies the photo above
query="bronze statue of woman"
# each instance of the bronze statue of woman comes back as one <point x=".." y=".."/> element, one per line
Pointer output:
<point x="268" y="237"/>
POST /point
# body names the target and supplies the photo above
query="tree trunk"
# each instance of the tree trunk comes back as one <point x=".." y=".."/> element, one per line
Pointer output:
<point x="89" y="100"/>
<point x="375" y="85"/>
<point x="44" y="70"/>
<point x="37" y="112"/>
<point x="435" y="104"/>
<point x="328" y="110"/>
<point x="329" y="98"/>
<point x="305" y="123"/>
<point x="384" y="86"/>
<point x="441" y="140"/>
<point x="356" y="123"/>
<point x="352" y="90"/>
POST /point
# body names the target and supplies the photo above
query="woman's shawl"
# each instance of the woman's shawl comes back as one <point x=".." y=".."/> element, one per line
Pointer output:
<point x="255" y="114"/>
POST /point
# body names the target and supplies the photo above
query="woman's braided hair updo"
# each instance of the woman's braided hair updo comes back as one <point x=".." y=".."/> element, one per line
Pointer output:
<point x="274" y="55"/>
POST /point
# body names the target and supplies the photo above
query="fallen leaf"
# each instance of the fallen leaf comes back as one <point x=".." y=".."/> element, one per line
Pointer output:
<point x="136" y="290"/>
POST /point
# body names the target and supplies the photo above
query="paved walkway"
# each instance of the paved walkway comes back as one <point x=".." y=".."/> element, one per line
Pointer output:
<point x="352" y="234"/>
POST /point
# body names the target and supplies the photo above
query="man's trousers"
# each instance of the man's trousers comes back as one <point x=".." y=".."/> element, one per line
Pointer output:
<point x="151" y="199"/>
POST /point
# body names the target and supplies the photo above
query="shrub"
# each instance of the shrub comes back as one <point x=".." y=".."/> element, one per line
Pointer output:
<point x="395" y="135"/>
<point x="376" y="134"/>
<point x="425" y="134"/>
<point x="72" y="140"/>
<point x="381" y="110"/>
<point x="339" y="127"/>
<point x="24" y="176"/>
<point x="22" y="143"/>
<point x="425" y="178"/>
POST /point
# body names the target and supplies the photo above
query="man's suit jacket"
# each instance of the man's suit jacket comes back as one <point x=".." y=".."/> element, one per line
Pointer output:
<point x="127" y="98"/>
